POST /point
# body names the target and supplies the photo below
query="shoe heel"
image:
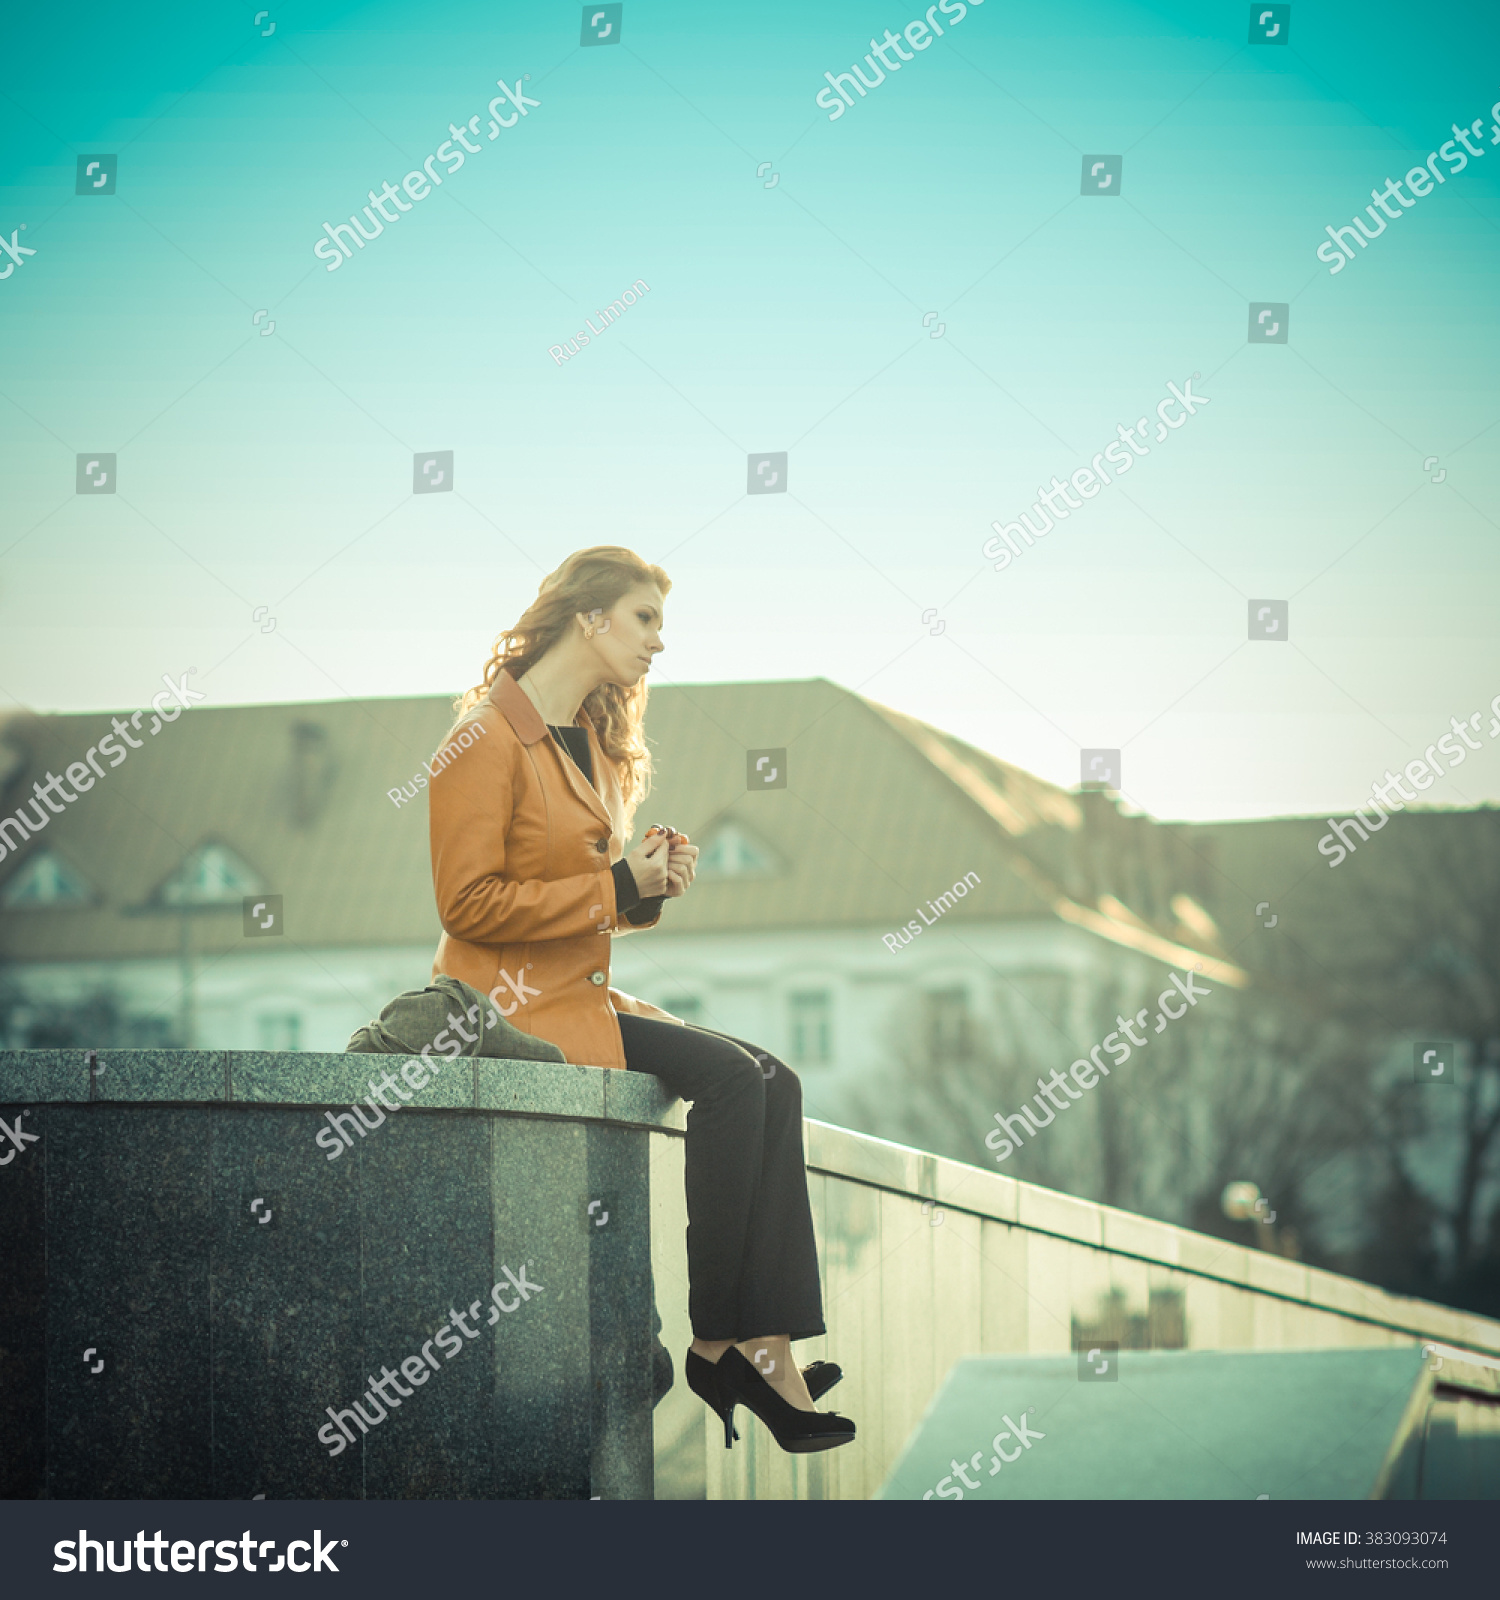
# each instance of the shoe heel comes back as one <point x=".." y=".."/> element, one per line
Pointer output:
<point x="703" y="1381"/>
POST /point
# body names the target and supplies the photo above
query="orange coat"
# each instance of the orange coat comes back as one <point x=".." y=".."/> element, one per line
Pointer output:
<point x="522" y="848"/>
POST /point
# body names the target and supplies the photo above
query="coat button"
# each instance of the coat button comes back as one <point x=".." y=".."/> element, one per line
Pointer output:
<point x="596" y="977"/>
<point x="601" y="845"/>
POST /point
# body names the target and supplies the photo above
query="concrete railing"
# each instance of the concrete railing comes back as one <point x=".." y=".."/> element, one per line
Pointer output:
<point x="196" y="1286"/>
<point x="1014" y="1268"/>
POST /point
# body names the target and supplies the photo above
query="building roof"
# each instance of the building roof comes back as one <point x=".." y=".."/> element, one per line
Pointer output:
<point x="872" y="815"/>
<point x="1426" y="877"/>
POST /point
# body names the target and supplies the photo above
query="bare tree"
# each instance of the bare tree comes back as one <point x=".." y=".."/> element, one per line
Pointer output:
<point x="1253" y="1086"/>
<point x="1427" y="891"/>
<point x="96" y="1020"/>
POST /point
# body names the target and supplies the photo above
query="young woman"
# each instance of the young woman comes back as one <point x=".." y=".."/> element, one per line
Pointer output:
<point x="529" y="820"/>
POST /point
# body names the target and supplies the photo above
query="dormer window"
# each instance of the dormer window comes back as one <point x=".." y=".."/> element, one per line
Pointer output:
<point x="731" y="851"/>
<point x="211" y="875"/>
<point x="44" y="881"/>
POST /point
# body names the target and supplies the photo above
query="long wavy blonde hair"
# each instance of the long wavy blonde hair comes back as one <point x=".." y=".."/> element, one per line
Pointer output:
<point x="592" y="579"/>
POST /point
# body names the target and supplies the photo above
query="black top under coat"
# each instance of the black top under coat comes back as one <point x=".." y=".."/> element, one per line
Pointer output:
<point x="628" y="901"/>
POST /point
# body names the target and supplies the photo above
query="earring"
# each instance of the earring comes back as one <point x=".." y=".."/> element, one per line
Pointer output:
<point x="588" y="633"/>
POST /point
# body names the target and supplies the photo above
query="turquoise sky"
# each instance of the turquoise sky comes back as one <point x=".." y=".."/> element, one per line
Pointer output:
<point x="798" y="270"/>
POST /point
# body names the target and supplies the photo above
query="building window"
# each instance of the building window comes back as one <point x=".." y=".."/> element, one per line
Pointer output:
<point x="43" y="881"/>
<point x="687" y="1006"/>
<point x="812" y="1028"/>
<point x="313" y="772"/>
<point x="731" y="851"/>
<point x="949" y="1026"/>
<point x="210" y="876"/>
<point x="280" y="1031"/>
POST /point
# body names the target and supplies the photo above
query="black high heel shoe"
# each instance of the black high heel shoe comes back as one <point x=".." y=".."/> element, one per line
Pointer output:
<point x="797" y="1432"/>
<point x="702" y="1377"/>
<point x="820" y="1377"/>
<point x="703" y="1380"/>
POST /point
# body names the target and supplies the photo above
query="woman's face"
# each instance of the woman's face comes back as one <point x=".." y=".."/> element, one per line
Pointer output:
<point x="630" y="635"/>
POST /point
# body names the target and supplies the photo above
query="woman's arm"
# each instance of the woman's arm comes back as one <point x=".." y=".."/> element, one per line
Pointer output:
<point x="470" y="806"/>
<point x="637" y="912"/>
<point x="681" y="869"/>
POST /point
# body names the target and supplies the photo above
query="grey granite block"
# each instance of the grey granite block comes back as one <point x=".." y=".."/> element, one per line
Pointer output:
<point x="542" y="1354"/>
<point x="192" y="1076"/>
<point x="28" y="1076"/>
<point x="427" y="1249"/>
<point x="643" y="1100"/>
<point x="408" y="1083"/>
<point x="437" y="1083"/>
<point x="547" y="1088"/>
<point x="128" y="1226"/>
<point x="288" y="1334"/>
<point x="23" y="1304"/>
<point x="621" y="1315"/>
<point x="266" y="1077"/>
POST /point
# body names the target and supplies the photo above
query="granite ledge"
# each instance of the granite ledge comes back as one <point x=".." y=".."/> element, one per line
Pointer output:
<point x="249" y="1078"/>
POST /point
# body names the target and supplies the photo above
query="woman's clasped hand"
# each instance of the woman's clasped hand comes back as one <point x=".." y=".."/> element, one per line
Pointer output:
<point x="663" y="863"/>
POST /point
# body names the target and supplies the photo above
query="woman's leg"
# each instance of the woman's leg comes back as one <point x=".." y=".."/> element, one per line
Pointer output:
<point x="780" y="1287"/>
<point x="725" y="1129"/>
<point x="782" y="1253"/>
<point x="752" y="1261"/>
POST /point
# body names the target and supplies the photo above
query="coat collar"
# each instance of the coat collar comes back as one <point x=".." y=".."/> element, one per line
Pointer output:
<point x="512" y="701"/>
<point x="508" y="697"/>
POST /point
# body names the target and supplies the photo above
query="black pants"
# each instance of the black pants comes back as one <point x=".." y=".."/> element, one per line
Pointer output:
<point x="752" y="1261"/>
